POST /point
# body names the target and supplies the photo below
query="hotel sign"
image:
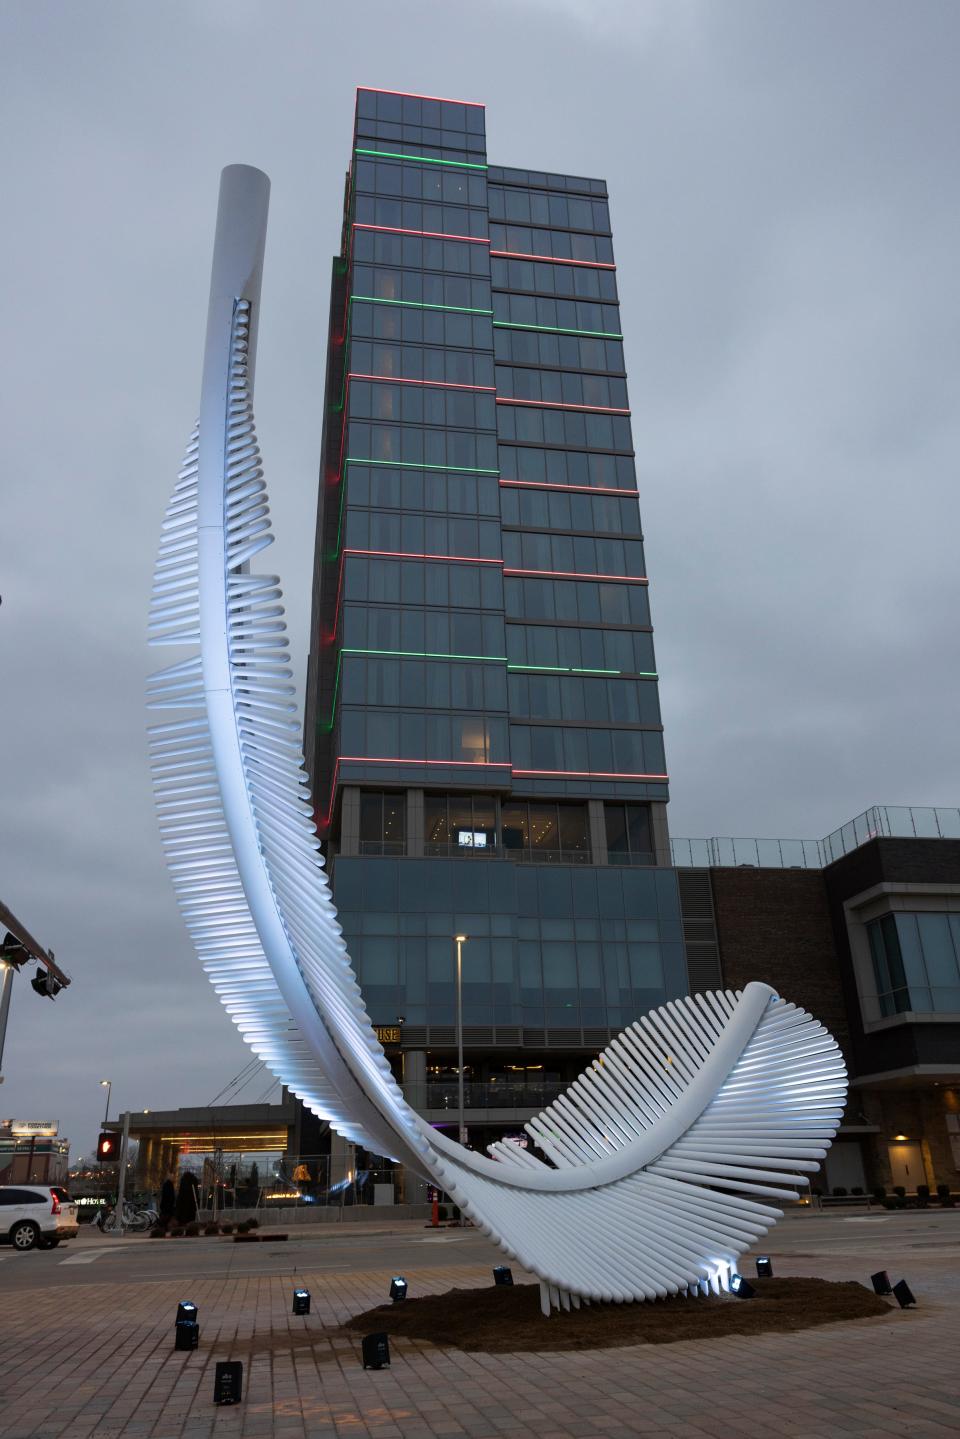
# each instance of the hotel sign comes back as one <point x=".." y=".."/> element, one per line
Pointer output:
<point x="388" y="1033"/>
<point x="41" y="1128"/>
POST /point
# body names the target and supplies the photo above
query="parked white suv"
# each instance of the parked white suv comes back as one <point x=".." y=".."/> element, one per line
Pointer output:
<point x="36" y="1215"/>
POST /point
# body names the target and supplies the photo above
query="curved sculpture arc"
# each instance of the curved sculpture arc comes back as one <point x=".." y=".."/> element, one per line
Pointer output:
<point x="661" y="1159"/>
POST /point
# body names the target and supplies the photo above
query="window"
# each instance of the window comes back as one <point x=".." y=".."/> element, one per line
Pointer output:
<point x="382" y="822"/>
<point x="460" y="824"/>
<point x="546" y="833"/>
<point x="629" y="834"/>
<point x="916" y="962"/>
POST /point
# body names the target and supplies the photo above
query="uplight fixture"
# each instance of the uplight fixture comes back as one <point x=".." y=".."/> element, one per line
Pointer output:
<point x="398" y="1288"/>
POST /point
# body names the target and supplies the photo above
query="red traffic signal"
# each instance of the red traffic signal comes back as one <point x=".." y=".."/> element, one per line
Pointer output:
<point x="108" y="1146"/>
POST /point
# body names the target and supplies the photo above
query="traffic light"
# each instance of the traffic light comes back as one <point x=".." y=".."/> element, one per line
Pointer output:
<point x="44" y="983"/>
<point x="13" y="951"/>
<point x="108" y="1147"/>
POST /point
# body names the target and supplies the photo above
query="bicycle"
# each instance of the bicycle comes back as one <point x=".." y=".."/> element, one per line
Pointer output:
<point x="134" y="1219"/>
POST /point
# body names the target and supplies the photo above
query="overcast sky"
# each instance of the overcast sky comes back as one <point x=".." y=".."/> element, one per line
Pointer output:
<point x="784" y="194"/>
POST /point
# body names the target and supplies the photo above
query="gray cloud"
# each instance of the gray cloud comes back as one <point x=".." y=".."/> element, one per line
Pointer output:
<point x="785" y="213"/>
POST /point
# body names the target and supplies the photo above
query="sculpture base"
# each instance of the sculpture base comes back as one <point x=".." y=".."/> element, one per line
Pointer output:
<point x="505" y="1320"/>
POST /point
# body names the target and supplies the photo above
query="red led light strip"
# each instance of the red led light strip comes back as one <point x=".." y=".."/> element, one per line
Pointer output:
<point x="580" y="489"/>
<point x="415" y="95"/>
<point x="434" y="384"/>
<point x="580" y="575"/>
<point x="429" y="234"/>
<point x="590" y="774"/>
<point x="552" y="259"/>
<point x="559" y="405"/>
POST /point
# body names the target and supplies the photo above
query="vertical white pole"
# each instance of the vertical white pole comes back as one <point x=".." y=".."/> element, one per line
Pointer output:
<point x="6" y="990"/>
<point x="122" y="1180"/>
<point x="459" y="942"/>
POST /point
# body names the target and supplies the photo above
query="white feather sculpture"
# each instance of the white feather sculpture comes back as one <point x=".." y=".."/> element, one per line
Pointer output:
<point x="662" y="1155"/>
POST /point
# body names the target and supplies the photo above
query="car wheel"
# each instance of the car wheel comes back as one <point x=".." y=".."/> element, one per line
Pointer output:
<point x="25" y="1235"/>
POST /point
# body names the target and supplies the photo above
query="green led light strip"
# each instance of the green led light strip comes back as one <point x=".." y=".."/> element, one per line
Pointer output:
<point x="343" y="491"/>
<point x="420" y="159"/>
<point x="428" y="655"/>
<point x="328" y="724"/>
<point x="574" y="670"/>
<point x="416" y="465"/>
<point x="416" y="305"/>
<point x="558" y="330"/>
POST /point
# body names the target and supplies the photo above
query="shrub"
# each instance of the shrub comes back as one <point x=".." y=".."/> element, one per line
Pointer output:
<point x="923" y="1196"/>
<point x="175" y="1231"/>
<point x="879" y="1194"/>
<point x="253" y="1224"/>
<point x="211" y="1228"/>
<point x="900" y="1191"/>
<point x="192" y="1229"/>
<point x="226" y="1228"/>
<point x="857" y="1191"/>
<point x="839" y="1192"/>
<point x="243" y="1227"/>
<point x="889" y="1203"/>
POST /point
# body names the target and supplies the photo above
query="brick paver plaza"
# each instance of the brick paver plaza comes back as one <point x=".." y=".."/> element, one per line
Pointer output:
<point x="85" y="1352"/>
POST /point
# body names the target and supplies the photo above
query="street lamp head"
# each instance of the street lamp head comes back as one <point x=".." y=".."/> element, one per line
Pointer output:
<point x="103" y="1082"/>
<point x="461" y="938"/>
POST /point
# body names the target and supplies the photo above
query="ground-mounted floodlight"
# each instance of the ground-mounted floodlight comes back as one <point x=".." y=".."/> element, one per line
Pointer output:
<point x="186" y="1334"/>
<point x="764" y="1267"/>
<point x="398" y="1288"/>
<point x="376" y="1351"/>
<point x="741" y="1287"/>
<point x="186" y="1330"/>
<point x="228" y="1382"/>
<point x="301" y="1301"/>
<point x="502" y="1274"/>
<point x="881" y="1282"/>
<point x="903" y="1294"/>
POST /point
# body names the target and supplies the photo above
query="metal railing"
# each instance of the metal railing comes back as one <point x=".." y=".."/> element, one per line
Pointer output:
<point x="493" y="1095"/>
<point x="887" y="821"/>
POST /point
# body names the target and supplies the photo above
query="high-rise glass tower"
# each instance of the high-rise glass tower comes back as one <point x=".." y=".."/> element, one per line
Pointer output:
<point x="482" y="726"/>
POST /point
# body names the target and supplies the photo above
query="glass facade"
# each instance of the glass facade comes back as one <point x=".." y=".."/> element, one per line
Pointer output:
<point x="916" y="962"/>
<point x="483" y="726"/>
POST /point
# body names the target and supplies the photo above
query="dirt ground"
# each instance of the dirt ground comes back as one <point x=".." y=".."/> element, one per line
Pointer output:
<point x="507" y="1319"/>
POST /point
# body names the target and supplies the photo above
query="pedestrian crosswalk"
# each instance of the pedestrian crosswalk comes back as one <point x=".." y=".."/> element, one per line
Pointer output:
<point x="87" y="1256"/>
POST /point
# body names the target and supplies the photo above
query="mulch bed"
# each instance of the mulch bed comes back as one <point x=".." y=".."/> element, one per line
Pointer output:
<point x="507" y="1320"/>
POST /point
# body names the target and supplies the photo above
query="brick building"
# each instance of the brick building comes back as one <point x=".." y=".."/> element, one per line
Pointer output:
<point x="862" y="929"/>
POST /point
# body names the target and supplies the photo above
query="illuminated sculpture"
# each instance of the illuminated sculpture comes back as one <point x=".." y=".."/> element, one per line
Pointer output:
<point x="662" y="1155"/>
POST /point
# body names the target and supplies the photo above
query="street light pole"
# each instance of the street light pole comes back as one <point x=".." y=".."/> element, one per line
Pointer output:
<point x="460" y="940"/>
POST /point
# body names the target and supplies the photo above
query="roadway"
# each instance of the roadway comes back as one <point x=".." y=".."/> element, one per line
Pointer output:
<point x="870" y="1240"/>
